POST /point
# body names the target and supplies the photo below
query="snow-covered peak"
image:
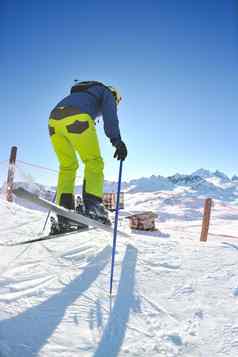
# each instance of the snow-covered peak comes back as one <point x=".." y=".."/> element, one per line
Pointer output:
<point x="202" y="173"/>
<point x="150" y="184"/>
<point x="221" y="175"/>
<point x="179" y="179"/>
<point x="211" y="176"/>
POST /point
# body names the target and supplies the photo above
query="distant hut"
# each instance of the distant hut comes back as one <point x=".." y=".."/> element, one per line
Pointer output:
<point x="109" y="201"/>
<point x="144" y="221"/>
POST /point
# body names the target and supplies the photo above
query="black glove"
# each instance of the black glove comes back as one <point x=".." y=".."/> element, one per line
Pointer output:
<point x="121" y="151"/>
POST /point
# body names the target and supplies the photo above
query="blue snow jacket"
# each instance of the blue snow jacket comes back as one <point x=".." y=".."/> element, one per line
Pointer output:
<point x="97" y="101"/>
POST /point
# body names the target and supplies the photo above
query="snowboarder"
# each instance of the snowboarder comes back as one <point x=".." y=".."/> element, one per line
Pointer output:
<point x="72" y="131"/>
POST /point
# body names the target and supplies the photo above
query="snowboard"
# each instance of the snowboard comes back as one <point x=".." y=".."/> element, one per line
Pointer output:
<point x="73" y="216"/>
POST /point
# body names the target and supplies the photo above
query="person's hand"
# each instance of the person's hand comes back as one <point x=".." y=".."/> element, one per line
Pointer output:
<point x="121" y="151"/>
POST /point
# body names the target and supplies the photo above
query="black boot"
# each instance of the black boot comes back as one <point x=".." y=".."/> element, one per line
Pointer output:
<point x="65" y="224"/>
<point x="66" y="201"/>
<point x="98" y="212"/>
<point x="95" y="209"/>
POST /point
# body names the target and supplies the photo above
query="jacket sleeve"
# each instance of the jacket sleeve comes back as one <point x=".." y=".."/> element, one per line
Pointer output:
<point x="110" y="118"/>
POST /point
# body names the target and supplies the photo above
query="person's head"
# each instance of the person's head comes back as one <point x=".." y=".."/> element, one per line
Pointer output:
<point x="115" y="94"/>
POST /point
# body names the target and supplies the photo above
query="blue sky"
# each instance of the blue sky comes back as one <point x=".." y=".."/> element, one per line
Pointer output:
<point x="175" y="63"/>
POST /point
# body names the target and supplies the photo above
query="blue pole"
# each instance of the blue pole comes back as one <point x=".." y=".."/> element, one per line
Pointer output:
<point x="115" y="225"/>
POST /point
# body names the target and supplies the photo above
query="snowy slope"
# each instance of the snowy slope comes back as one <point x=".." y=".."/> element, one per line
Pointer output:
<point x="173" y="296"/>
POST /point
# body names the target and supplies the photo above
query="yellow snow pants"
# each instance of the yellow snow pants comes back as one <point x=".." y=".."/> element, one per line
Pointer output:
<point x="72" y="135"/>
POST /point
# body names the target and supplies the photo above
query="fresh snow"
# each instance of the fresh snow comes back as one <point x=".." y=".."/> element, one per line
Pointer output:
<point x="172" y="295"/>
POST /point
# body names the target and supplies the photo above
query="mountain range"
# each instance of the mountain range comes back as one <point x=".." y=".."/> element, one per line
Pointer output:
<point x="201" y="183"/>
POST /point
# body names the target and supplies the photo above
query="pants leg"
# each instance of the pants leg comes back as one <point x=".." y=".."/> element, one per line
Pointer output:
<point x="83" y="136"/>
<point x="68" y="167"/>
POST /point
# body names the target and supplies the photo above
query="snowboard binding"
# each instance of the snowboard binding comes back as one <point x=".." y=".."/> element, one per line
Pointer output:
<point x="95" y="211"/>
<point x="63" y="225"/>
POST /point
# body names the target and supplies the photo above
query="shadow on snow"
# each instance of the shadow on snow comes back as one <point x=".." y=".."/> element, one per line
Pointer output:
<point x="27" y="333"/>
<point x="114" y="332"/>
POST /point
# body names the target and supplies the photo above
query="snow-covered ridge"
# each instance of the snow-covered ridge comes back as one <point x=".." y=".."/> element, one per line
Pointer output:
<point x="201" y="183"/>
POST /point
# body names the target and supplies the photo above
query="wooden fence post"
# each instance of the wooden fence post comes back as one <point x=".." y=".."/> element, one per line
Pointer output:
<point x="206" y="219"/>
<point x="11" y="172"/>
